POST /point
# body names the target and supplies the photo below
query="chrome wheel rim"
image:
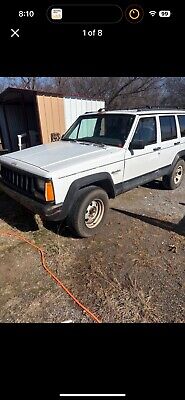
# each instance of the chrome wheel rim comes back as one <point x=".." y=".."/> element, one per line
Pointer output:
<point x="94" y="213"/>
<point x="178" y="174"/>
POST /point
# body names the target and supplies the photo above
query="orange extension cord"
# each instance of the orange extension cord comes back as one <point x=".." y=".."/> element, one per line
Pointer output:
<point x="44" y="264"/>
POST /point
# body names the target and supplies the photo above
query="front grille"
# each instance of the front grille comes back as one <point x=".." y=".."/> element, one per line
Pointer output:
<point x="18" y="180"/>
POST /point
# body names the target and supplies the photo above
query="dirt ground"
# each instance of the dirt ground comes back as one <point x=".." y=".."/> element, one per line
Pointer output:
<point x="132" y="271"/>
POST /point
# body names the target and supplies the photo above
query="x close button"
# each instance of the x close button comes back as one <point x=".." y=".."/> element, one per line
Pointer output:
<point x="134" y="13"/>
<point x="15" y="33"/>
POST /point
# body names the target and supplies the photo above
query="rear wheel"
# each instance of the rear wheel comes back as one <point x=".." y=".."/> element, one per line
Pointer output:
<point x="89" y="212"/>
<point x="174" y="180"/>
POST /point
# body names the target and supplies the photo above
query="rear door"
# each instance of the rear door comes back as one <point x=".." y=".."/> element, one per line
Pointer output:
<point x="181" y="128"/>
<point x="139" y="162"/>
<point x="170" y="139"/>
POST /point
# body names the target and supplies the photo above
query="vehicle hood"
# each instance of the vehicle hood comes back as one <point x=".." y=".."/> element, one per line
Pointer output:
<point x="65" y="157"/>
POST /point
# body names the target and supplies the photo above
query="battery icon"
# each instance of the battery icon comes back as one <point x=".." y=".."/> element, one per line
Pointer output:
<point x="165" y="13"/>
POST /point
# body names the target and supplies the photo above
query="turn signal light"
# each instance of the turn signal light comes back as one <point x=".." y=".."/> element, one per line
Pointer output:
<point x="49" y="192"/>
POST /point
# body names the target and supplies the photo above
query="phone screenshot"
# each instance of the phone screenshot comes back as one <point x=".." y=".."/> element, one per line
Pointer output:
<point x="92" y="198"/>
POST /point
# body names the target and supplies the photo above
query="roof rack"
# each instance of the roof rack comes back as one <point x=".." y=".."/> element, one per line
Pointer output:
<point x="101" y="109"/>
<point x="90" y="112"/>
<point x="146" y="108"/>
<point x="159" y="108"/>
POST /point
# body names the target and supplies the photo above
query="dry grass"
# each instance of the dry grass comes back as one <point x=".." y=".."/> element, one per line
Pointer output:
<point x="120" y="276"/>
<point x="124" y="302"/>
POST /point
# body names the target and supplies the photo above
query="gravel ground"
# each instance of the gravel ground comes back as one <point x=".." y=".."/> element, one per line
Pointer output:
<point x="132" y="271"/>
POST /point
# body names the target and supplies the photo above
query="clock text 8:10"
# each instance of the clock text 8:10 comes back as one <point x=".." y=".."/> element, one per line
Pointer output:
<point x="26" y="13"/>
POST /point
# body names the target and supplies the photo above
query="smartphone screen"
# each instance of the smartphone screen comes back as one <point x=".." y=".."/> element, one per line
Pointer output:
<point x="92" y="165"/>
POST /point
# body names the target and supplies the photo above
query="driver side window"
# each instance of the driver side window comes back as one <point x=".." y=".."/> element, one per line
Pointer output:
<point x="146" y="131"/>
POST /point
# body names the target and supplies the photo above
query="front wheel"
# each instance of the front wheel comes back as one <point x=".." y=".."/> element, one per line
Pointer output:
<point x="89" y="212"/>
<point x="174" y="180"/>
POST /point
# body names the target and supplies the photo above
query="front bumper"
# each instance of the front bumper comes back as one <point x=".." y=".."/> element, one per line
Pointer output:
<point x="51" y="212"/>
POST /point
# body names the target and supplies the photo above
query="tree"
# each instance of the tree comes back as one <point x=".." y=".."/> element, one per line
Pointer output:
<point x="174" y="94"/>
<point x="3" y="84"/>
<point x="118" y="92"/>
<point x="29" y="82"/>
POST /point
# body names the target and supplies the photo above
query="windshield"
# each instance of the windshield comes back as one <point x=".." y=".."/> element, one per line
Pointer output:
<point x="107" y="129"/>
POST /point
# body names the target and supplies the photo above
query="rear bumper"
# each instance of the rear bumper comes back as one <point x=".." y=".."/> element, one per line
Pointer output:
<point x="51" y="212"/>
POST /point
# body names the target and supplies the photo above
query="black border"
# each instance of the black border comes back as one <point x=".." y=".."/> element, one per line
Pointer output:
<point x="149" y="48"/>
<point x="43" y="360"/>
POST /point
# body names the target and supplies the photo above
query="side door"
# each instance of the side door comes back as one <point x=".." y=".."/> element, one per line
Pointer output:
<point x="142" y="161"/>
<point x="181" y="128"/>
<point x="170" y="139"/>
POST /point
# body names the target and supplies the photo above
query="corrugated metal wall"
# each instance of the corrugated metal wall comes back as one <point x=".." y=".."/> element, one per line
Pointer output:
<point x="4" y="132"/>
<point x="57" y="114"/>
<point x="75" y="107"/>
<point x="51" y="116"/>
<point x="16" y="123"/>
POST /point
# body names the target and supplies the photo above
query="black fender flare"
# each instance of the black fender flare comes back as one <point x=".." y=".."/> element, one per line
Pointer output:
<point x="102" y="180"/>
<point x="178" y="156"/>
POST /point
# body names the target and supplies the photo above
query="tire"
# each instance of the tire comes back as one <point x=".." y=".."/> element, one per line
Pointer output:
<point x="90" y="211"/>
<point x="174" y="180"/>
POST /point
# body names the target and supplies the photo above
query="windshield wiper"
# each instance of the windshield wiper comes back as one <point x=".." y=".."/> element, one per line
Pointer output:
<point x="91" y="142"/>
<point x="99" y="144"/>
<point x="87" y="142"/>
<point x="70" y="140"/>
<point x="78" y="141"/>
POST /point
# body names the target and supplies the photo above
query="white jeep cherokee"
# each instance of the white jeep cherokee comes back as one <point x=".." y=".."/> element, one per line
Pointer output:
<point x="102" y="155"/>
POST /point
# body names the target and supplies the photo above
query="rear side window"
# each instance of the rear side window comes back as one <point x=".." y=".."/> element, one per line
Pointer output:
<point x="146" y="131"/>
<point x="181" y="119"/>
<point x="168" y="128"/>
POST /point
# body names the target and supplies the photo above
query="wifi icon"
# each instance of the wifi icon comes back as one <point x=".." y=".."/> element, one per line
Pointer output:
<point x="152" y="13"/>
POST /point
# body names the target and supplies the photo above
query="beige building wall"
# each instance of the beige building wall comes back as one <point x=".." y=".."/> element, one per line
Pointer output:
<point x="51" y="116"/>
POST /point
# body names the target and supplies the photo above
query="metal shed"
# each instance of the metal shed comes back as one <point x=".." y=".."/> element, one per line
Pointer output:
<point x="37" y="117"/>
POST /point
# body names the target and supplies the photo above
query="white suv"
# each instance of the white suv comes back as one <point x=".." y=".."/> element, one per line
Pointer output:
<point x="101" y="155"/>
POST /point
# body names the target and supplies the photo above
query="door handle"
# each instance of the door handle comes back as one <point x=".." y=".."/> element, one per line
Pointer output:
<point x="176" y="143"/>
<point x="157" y="148"/>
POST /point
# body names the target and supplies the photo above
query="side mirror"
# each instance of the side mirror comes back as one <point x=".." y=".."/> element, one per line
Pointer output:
<point x="137" y="145"/>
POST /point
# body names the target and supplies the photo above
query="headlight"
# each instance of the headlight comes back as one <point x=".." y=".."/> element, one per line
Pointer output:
<point x="40" y="184"/>
<point x="44" y="189"/>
